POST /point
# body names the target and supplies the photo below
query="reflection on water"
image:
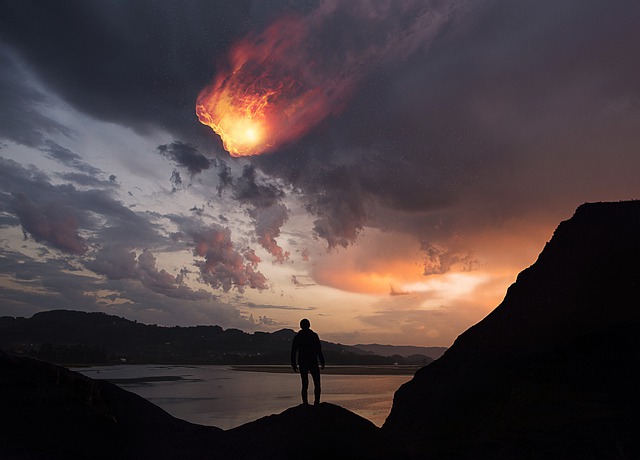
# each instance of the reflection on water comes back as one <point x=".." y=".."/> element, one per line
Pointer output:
<point x="226" y="398"/>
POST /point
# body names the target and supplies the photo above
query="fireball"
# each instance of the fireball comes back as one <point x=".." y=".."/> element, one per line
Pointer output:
<point x="270" y="93"/>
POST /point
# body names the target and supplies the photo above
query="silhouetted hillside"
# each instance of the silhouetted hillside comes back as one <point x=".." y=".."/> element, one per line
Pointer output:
<point x="404" y="351"/>
<point x="551" y="373"/>
<point x="74" y="337"/>
<point x="319" y="432"/>
<point x="50" y="412"/>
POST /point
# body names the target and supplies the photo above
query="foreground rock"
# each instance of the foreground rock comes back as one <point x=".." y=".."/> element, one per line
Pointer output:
<point x="553" y="371"/>
<point x="50" y="412"/>
<point x="318" y="432"/>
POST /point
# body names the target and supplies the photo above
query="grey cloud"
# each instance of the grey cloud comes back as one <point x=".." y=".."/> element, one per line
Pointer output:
<point x="176" y="181"/>
<point x="87" y="180"/>
<point x="266" y="210"/>
<point x="21" y="118"/>
<point x="268" y="222"/>
<point x="277" y="307"/>
<point x="49" y="285"/>
<point x="52" y="222"/>
<point x="139" y="63"/>
<point x="246" y="189"/>
<point x="120" y="263"/>
<point x="186" y="156"/>
<point x="59" y="214"/>
<point x="67" y="157"/>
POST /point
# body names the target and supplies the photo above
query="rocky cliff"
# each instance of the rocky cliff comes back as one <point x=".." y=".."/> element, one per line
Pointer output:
<point x="50" y="412"/>
<point x="552" y="371"/>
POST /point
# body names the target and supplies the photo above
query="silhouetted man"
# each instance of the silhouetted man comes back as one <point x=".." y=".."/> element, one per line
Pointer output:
<point x="306" y="344"/>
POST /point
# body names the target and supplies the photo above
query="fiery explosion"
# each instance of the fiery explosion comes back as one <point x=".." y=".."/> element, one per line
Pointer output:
<point x="271" y="93"/>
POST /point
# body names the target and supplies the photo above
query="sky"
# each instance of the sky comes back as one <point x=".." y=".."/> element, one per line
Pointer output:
<point x="426" y="150"/>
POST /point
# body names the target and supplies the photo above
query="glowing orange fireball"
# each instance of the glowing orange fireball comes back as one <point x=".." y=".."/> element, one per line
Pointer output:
<point x="272" y="92"/>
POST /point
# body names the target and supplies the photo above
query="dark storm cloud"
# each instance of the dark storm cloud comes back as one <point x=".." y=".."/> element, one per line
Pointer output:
<point x="21" y="118"/>
<point x="138" y="63"/>
<point x="246" y="189"/>
<point x="185" y="156"/>
<point x="266" y="209"/>
<point x="516" y="107"/>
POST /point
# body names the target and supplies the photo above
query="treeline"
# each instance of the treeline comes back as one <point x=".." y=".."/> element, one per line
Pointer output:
<point x="73" y="337"/>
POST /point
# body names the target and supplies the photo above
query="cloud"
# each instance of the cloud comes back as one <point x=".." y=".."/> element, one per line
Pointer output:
<point x="87" y="180"/>
<point x="268" y="222"/>
<point x="71" y="219"/>
<point x="28" y="286"/>
<point x="295" y="280"/>
<point x="185" y="156"/>
<point x="50" y="222"/>
<point x="277" y="307"/>
<point x="266" y="210"/>
<point x="496" y="121"/>
<point x="119" y="263"/>
<point x="68" y="158"/>
<point x="22" y="119"/>
<point x="223" y="266"/>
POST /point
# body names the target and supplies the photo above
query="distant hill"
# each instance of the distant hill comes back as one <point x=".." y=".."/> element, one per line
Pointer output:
<point x="404" y="351"/>
<point x="552" y="372"/>
<point x="75" y="337"/>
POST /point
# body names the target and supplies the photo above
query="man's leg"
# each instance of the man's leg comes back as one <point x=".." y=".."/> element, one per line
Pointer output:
<point x="304" y="375"/>
<point x="315" y="373"/>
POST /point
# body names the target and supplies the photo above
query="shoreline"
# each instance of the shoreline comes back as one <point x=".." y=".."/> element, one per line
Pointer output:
<point x="335" y="370"/>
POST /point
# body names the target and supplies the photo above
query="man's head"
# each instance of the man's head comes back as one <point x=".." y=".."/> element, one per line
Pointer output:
<point x="305" y="324"/>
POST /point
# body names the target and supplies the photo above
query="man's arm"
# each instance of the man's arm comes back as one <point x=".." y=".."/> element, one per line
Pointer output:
<point x="320" y="355"/>
<point x="294" y="350"/>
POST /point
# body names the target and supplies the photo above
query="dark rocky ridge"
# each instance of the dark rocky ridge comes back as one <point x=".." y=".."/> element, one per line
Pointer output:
<point x="552" y="371"/>
<point x="50" y="412"/>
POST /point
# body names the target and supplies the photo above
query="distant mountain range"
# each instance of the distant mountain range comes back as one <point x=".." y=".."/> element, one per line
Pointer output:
<point x="404" y="351"/>
<point x="74" y="337"/>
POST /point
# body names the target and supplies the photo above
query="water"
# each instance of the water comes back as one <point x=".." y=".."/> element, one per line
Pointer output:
<point x="223" y="397"/>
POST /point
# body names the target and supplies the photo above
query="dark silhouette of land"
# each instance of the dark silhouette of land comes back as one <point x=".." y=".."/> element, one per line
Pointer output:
<point x="551" y="373"/>
<point x="74" y="337"/>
